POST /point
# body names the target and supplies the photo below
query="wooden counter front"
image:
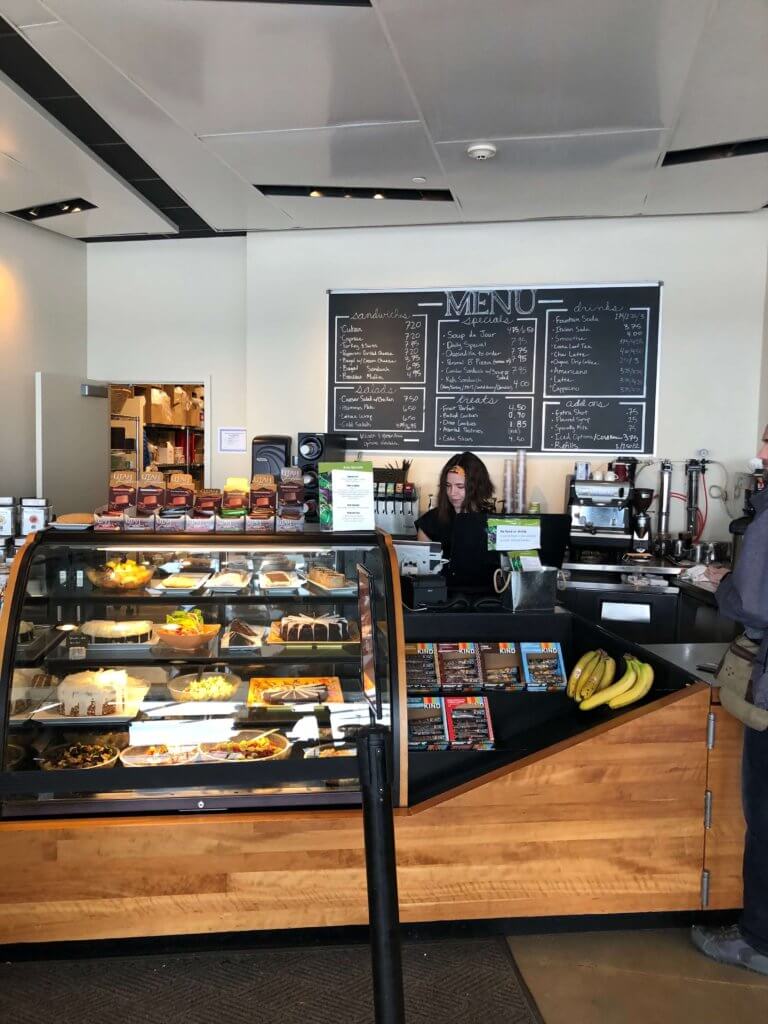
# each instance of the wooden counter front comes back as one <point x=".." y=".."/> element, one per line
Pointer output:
<point x="610" y="823"/>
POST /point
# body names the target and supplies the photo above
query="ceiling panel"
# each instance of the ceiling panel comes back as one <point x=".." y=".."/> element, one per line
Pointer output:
<point x="25" y="12"/>
<point x="57" y="167"/>
<point x="248" y="67"/>
<point x="726" y="96"/>
<point x="381" y="154"/>
<point x="501" y="69"/>
<point x="221" y="197"/>
<point x="360" y="213"/>
<point x="714" y="186"/>
<point x="21" y="187"/>
<point x="571" y="176"/>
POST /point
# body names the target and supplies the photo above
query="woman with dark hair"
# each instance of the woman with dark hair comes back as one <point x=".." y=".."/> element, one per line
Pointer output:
<point x="465" y="486"/>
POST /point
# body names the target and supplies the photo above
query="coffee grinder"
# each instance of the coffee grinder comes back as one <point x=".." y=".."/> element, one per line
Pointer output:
<point x="641" y="521"/>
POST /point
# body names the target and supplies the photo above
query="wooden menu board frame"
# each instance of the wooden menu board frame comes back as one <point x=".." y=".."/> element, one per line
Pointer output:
<point x="552" y="369"/>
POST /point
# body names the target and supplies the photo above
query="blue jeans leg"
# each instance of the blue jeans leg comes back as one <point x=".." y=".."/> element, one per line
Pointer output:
<point x="754" y="919"/>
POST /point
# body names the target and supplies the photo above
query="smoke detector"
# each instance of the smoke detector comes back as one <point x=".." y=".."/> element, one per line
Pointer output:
<point x="481" y="150"/>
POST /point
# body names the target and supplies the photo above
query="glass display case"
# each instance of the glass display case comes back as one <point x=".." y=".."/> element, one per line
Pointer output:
<point x="157" y="673"/>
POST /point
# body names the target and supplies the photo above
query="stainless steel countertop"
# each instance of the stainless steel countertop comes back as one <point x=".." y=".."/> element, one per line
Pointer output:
<point x="626" y="588"/>
<point x="690" y="656"/>
<point x="653" y="567"/>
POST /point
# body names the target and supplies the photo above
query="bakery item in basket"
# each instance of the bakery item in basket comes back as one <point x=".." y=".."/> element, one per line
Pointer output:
<point x="107" y="631"/>
<point x="328" y="578"/>
<point x="79" y="755"/>
<point x="104" y="692"/>
<point x="297" y="628"/>
<point x="121" y="575"/>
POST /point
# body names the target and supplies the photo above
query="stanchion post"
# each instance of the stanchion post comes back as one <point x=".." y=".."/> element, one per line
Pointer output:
<point x="374" y="759"/>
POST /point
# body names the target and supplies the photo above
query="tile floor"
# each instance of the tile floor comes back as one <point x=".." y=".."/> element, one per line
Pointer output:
<point x="640" y="977"/>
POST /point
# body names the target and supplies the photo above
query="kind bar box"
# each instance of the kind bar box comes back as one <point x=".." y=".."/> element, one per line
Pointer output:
<point x="180" y="494"/>
<point x="458" y="667"/>
<point x="468" y="722"/>
<point x="122" y="492"/>
<point x="421" y="668"/>
<point x="501" y="667"/>
<point x="543" y="667"/>
<point x="263" y="504"/>
<point x="426" y="724"/>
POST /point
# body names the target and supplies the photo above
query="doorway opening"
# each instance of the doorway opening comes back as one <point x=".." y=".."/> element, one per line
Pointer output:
<point x="158" y="427"/>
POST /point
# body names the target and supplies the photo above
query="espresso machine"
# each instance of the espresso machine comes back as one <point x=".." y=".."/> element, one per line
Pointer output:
<point x="601" y="519"/>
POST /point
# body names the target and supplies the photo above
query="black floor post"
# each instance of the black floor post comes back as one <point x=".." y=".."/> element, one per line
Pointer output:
<point x="374" y="757"/>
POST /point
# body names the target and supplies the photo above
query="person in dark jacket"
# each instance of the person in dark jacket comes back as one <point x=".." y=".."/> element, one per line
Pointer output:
<point x="743" y="597"/>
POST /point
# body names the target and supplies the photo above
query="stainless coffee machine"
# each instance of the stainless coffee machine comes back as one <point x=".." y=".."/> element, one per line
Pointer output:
<point x="601" y="519"/>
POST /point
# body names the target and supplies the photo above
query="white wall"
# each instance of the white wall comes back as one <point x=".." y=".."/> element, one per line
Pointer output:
<point x="173" y="310"/>
<point x="713" y="270"/>
<point x="42" y="327"/>
<point x="252" y="314"/>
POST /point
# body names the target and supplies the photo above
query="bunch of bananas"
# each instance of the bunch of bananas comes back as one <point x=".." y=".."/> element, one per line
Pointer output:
<point x="591" y="683"/>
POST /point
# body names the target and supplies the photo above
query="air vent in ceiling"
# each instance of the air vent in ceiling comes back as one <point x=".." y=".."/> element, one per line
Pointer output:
<point x="432" y="195"/>
<point x="719" y="151"/>
<point x="59" y="209"/>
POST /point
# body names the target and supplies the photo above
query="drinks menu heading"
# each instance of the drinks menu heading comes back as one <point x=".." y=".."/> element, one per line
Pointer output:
<point x="550" y="369"/>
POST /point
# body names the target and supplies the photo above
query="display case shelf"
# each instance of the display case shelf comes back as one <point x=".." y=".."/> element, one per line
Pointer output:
<point x="208" y="598"/>
<point x="358" y="676"/>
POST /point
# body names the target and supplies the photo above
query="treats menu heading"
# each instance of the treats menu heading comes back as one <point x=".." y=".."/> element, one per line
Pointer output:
<point x="550" y="369"/>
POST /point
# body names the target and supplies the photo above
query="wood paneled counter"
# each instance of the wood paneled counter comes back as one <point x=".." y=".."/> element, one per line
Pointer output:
<point x="609" y="823"/>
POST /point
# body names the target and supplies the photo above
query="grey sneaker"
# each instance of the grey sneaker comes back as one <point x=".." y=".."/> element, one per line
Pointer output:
<point x="728" y="946"/>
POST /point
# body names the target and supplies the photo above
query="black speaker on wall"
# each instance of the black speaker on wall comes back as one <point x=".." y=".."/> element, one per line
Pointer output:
<point x="270" y="453"/>
<point x="312" y="449"/>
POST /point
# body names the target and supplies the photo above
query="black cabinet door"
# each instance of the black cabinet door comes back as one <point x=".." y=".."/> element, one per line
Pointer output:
<point x="643" y="618"/>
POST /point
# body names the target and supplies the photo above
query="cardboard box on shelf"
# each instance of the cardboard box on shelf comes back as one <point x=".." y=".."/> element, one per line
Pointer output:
<point x="118" y="396"/>
<point x="180" y="405"/>
<point x="158" y="407"/>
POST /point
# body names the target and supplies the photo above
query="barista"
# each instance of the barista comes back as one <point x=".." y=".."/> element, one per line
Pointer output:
<point x="465" y="495"/>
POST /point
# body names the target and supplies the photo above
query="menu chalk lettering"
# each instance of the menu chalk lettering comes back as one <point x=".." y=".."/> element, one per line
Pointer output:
<point x="552" y="368"/>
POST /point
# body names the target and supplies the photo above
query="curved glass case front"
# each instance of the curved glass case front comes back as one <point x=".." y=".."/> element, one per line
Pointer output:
<point x="154" y="673"/>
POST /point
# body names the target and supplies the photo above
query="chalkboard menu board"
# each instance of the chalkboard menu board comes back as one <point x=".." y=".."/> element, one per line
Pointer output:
<point x="550" y="369"/>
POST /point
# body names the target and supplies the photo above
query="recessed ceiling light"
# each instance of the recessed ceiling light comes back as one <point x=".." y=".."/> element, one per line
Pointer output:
<point x="433" y="195"/>
<point x="64" y="206"/>
<point x="419" y="181"/>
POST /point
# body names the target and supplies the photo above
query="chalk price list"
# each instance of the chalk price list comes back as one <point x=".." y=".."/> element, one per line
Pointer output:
<point x="388" y="348"/>
<point x="481" y="354"/>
